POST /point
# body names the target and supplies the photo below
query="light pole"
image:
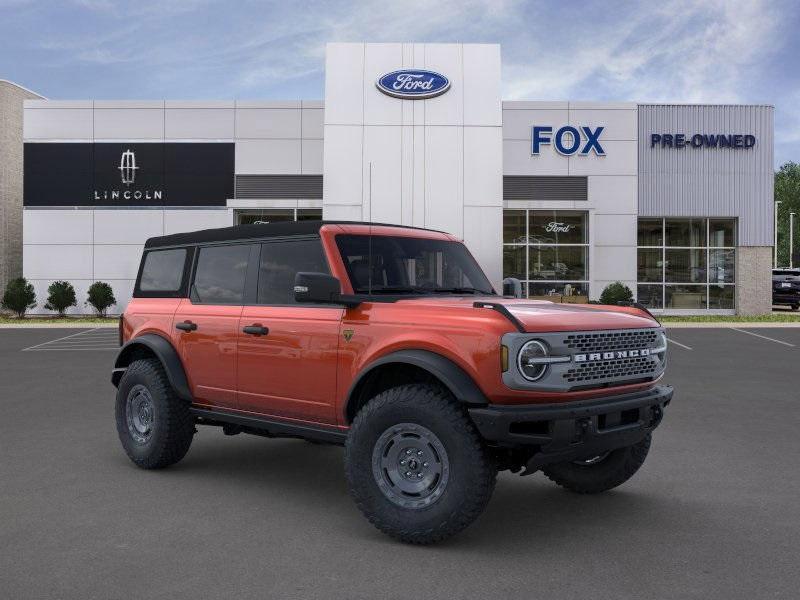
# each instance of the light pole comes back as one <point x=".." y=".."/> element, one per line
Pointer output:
<point x="791" y="238"/>
<point x="777" y="205"/>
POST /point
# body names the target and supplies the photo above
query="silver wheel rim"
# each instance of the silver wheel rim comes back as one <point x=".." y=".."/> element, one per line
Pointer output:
<point x="588" y="462"/>
<point x="410" y="465"/>
<point x="139" y="413"/>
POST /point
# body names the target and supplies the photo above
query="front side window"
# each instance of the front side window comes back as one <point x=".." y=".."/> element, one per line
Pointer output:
<point x="220" y="274"/>
<point x="280" y="263"/>
<point x="399" y="265"/>
<point x="163" y="270"/>
<point x="548" y="250"/>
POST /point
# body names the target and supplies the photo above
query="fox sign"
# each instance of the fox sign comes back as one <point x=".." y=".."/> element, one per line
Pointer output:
<point x="568" y="140"/>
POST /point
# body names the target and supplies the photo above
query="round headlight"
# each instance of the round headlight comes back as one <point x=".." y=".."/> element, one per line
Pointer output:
<point x="529" y="358"/>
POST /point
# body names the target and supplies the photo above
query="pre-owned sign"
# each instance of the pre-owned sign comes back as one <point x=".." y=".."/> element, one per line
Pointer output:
<point x="702" y="140"/>
<point x="128" y="174"/>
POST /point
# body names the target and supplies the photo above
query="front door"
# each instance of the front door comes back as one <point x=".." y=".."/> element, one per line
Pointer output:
<point x="206" y="325"/>
<point x="287" y="352"/>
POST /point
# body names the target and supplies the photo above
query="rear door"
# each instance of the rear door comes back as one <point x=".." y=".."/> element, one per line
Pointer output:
<point x="287" y="352"/>
<point x="205" y="325"/>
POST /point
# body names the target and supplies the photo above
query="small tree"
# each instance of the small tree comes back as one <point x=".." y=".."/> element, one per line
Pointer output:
<point x="60" y="296"/>
<point x="616" y="292"/>
<point x="101" y="297"/>
<point x="19" y="297"/>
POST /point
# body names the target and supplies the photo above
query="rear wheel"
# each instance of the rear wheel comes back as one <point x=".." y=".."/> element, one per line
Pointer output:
<point x="795" y="306"/>
<point x="600" y="473"/>
<point x="416" y="466"/>
<point x="153" y="424"/>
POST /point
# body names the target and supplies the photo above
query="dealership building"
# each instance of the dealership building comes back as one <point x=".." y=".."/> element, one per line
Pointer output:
<point x="674" y="200"/>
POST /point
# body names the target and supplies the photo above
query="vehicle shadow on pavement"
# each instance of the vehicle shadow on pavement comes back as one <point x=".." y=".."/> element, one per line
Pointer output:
<point x="309" y="477"/>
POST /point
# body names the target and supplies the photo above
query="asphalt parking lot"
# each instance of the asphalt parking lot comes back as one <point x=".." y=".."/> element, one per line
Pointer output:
<point x="714" y="512"/>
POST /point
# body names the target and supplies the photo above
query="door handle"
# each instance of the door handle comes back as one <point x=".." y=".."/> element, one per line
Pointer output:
<point x="186" y="326"/>
<point x="255" y="330"/>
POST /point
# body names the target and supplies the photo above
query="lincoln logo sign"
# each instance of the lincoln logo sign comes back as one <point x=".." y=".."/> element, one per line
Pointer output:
<point x="413" y="84"/>
<point x="568" y="140"/>
<point x="127" y="173"/>
<point x="127" y="167"/>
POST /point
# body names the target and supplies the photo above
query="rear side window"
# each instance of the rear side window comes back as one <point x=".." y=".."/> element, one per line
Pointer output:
<point x="220" y="274"/>
<point x="280" y="262"/>
<point x="163" y="270"/>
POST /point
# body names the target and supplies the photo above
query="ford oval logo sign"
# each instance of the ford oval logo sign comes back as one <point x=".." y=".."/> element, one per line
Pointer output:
<point x="413" y="84"/>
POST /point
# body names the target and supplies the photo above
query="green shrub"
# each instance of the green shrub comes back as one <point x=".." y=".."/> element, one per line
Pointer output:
<point x="60" y="296"/>
<point x="19" y="297"/>
<point x="101" y="297"/>
<point x="616" y="292"/>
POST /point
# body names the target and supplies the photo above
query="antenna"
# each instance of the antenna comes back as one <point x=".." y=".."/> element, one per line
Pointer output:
<point x="369" y="237"/>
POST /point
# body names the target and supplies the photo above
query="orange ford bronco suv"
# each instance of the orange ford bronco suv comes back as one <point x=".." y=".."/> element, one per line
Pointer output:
<point x="392" y="342"/>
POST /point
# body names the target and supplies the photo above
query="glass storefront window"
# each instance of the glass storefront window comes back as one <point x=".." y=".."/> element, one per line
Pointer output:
<point x="685" y="296"/>
<point x="685" y="266"/>
<point x="685" y="232"/>
<point x="549" y="251"/>
<point x="722" y="233"/>
<point x="514" y="262"/>
<point x="557" y="227"/>
<point x="721" y="266"/>
<point x="652" y="296"/>
<point x="514" y="229"/>
<point x="558" y="263"/>
<point x="650" y="264"/>
<point x="691" y="267"/>
<point x="720" y="297"/>
<point x="560" y="288"/>
<point x="651" y="232"/>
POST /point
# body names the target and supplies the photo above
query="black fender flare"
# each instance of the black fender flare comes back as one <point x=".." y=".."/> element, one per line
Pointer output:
<point x="452" y="376"/>
<point x="165" y="353"/>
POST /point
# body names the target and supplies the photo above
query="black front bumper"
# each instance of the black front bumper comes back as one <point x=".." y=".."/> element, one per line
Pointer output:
<point x="575" y="430"/>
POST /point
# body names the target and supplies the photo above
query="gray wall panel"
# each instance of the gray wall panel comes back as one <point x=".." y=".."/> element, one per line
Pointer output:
<point x="734" y="182"/>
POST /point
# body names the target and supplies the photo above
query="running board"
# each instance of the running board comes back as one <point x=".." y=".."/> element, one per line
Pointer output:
<point x="270" y="427"/>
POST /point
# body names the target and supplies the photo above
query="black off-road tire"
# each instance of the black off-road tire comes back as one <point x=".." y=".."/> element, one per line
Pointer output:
<point x="171" y="424"/>
<point x="469" y="478"/>
<point x="613" y="470"/>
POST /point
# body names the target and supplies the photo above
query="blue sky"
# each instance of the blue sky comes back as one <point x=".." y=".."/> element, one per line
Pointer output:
<point x="668" y="50"/>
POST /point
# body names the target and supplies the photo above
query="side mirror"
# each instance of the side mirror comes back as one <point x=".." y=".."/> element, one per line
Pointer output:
<point x="319" y="288"/>
<point x="512" y="287"/>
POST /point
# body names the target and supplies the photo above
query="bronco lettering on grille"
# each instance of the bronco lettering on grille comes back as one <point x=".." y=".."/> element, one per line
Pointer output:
<point x="595" y="356"/>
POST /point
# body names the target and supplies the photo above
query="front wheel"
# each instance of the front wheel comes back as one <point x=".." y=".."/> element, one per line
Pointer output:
<point x="795" y="306"/>
<point x="416" y="466"/>
<point x="600" y="473"/>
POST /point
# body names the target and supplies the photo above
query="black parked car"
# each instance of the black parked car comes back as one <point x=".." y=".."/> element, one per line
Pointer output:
<point x="786" y="287"/>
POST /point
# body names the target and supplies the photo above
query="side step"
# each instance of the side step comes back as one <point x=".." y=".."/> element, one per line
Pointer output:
<point x="270" y="427"/>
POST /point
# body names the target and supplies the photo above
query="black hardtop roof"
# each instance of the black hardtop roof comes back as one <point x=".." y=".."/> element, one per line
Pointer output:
<point x="258" y="231"/>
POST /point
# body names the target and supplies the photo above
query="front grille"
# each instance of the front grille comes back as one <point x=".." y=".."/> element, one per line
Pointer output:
<point x="609" y="341"/>
<point x="614" y="369"/>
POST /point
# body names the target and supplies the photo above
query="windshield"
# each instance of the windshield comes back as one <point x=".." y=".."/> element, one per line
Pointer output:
<point x="406" y="265"/>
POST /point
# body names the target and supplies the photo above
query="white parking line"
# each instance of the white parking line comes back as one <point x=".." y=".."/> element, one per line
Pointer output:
<point x="763" y="337"/>
<point x="91" y="339"/>
<point x="58" y="340"/>
<point x="679" y="344"/>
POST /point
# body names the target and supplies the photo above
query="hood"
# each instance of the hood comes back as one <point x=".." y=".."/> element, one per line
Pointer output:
<point x="543" y="316"/>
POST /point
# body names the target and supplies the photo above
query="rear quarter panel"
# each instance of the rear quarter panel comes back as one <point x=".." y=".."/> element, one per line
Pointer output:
<point x="149" y="315"/>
